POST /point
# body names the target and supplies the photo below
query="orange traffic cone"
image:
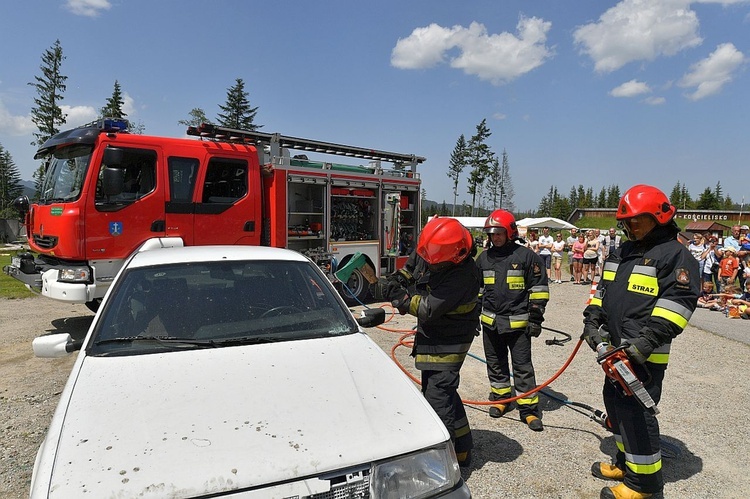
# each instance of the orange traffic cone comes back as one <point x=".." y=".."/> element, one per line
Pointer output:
<point x="594" y="284"/>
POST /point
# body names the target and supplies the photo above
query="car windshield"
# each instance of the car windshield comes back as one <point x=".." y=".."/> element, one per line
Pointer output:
<point x="217" y="304"/>
<point x="63" y="179"/>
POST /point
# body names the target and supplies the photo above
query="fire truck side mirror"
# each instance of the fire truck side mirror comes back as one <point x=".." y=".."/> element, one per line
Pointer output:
<point x="113" y="180"/>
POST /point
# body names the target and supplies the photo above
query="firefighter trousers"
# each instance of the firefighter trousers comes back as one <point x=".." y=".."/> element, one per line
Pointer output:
<point x="440" y="388"/>
<point x="497" y="347"/>
<point x="637" y="432"/>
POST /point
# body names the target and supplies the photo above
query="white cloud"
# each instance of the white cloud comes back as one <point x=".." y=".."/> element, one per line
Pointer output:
<point x="88" y="8"/>
<point x="499" y="116"/>
<point x="637" y="30"/>
<point x="709" y="75"/>
<point x="15" y="126"/>
<point x="630" y="89"/>
<point x="655" y="101"/>
<point x="78" y="115"/>
<point x="498" y="58"/>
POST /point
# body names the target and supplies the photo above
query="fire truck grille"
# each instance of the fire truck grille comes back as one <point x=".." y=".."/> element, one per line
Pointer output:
<point x="347" y="488"/>
<point x="46" y="242"/>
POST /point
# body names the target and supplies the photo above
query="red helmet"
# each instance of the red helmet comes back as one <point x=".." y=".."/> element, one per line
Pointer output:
<point x="641" y="199"/>
<point x="501" y="219"/>
<point x="444" y="239"/>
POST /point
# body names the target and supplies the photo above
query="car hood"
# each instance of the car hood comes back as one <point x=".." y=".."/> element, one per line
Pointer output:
<point x="204" y="421"/>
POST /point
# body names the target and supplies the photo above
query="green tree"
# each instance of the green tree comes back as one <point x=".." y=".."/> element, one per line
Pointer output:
<point x="10" y="184"/>
<point x="46" y="113"/>
<point x="613" y="196"/>
<point x="479" y="158"/>
<point x="113" y="106"/>
<point x="708" y="200"/>
<point x="601" y="199"/>
<point x="197" y="118"/>
<point x="237" y="112"/>
<point x="456" y="165"/>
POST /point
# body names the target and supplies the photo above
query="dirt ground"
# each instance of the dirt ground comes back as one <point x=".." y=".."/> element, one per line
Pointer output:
<point x="705" y="409"/>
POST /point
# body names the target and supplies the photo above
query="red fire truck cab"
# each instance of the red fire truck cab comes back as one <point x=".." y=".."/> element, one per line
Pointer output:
<point x="107" y="192"/>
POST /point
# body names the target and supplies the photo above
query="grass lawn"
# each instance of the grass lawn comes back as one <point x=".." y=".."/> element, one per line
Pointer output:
<point x="9" y="287"/>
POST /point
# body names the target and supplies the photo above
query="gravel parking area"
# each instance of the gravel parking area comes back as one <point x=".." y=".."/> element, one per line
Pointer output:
<point x="704" y="410"/>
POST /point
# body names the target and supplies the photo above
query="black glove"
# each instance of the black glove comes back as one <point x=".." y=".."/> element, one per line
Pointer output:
<point x="593" y="335"/>
<point x="533" y="330"/>
<point x="379" y="289"/>
<point x="387" y="289"/>
<point x="402" y="304"/>
<point x="638" y="349"/>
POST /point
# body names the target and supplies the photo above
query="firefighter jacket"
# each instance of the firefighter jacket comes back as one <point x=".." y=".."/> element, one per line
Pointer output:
<point x="648" y="292"/>
<point x="447" y="308"/>
<point x="514" y="288"/>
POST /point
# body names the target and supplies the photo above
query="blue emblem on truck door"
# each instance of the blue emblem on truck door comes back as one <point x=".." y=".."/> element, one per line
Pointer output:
<point x="115" y="228"/>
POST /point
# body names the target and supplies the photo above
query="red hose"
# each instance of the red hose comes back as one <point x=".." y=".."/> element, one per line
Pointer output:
<point x="408" y="332"/>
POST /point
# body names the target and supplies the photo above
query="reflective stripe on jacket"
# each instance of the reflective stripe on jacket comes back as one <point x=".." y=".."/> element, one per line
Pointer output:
<point x="649" y="288"/>
<point x="514" y="287"/>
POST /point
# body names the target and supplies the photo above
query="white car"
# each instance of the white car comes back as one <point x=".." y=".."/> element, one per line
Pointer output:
<point x="233" y="371"/>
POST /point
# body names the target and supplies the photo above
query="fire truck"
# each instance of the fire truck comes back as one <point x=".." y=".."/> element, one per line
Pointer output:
<point x="106" y="193"/>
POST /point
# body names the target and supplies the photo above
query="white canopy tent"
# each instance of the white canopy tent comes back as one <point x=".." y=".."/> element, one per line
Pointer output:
<point x="539" y="223"/>
<point x="472" y="222"/>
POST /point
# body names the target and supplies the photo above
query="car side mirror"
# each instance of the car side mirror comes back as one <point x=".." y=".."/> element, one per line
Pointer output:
<point x="371" y="317"/>
<point x="54" y="346"/>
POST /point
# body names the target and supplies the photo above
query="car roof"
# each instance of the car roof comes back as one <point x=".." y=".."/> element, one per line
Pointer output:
<point x="166" y="256"/>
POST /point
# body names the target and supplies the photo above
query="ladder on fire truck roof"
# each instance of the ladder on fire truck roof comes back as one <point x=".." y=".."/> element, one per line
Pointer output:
<point x="276" y="140"/>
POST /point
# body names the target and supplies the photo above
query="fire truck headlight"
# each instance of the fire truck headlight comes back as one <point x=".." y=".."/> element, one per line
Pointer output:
<point x="74" y="274"/>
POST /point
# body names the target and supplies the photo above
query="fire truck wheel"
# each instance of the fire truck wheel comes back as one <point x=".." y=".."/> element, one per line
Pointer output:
<point x="356" y="290"/>
<point x="93" y="305"/>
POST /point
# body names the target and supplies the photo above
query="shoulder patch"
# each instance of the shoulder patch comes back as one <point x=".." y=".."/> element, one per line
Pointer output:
<point x="682" y="275"/>
<point x="537" y="269"/>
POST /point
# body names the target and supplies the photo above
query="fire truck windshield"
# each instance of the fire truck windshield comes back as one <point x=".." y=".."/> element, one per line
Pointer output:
<point x="65" y="174"/>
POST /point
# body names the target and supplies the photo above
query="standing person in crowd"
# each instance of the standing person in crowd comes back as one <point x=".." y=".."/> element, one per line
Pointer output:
<point x="590" y="257"/>
<point x="558" y="248"/>
<point x="600" y="251"/>
<point x="710" y="258"/>
<point x="545" y="251"/>
<point x="611" y="242"/>
<point x="514" y="296"/>
<point x="697" y="246"/>
<point x="579" y="249"/>
<point x="572" y="238"/>
<point x="444" y="289"/>
<point x="728" y="268"/>
<point x="732" y="241"/>
<point x="646" y="298"/>
<point x="533" y="242"/>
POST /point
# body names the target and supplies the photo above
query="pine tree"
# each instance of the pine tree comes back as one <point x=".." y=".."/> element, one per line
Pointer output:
<point x="197" y="118"/>
<point x="113" y="107"/>
<point x="456" y="166"/>
<point x="506" y="185"/>
<point x="479" y="159"/>
<point x="10" y="184"/>
<point x="237" y="112"/>
<point x="46" y="113"/>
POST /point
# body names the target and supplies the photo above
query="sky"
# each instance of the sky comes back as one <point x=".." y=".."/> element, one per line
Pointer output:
<point x="579" y="92"/>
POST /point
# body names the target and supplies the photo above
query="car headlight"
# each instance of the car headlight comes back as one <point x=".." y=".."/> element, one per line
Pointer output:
<point x="421" y="474"/>
<point x="74" y="274"/>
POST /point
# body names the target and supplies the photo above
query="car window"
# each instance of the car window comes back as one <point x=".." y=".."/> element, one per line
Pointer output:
<point x="215" y="304"/>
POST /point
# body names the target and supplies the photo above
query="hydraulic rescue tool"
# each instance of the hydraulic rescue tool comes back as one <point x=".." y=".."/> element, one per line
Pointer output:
<point x="620" y="372"/>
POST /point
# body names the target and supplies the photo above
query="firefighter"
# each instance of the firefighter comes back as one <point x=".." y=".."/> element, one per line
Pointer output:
<point x="514" y="296"/>
<point x="443" y="296"/>
<point x="648" y="291"/>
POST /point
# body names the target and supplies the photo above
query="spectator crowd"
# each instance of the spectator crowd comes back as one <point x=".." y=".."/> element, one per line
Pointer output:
<point x="725" y="266"/>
